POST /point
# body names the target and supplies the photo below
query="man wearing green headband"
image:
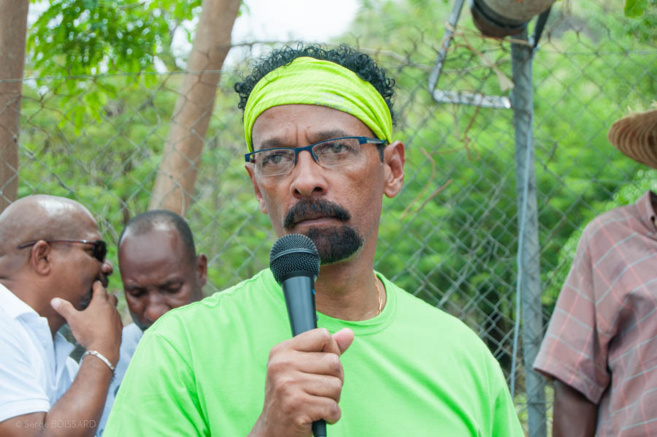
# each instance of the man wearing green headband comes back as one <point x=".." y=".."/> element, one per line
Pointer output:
<point x="318" y="127"/>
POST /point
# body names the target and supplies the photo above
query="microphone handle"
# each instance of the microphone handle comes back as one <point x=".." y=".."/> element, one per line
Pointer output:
<point x="319" y="428"/>
<point x="299" y="294"/>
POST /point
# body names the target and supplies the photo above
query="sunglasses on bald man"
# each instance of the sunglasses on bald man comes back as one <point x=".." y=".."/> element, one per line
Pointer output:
<point x="98" y="247"/>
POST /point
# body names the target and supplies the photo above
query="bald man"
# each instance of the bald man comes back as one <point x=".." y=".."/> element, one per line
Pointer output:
<point x="160" y="271"/>
<point x="53" y="271"/>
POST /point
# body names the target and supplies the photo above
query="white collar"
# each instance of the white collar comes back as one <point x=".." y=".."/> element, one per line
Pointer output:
<point x="13" y="305"/>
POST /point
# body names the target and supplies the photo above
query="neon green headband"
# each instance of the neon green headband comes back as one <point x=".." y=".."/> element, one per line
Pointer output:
<point x="310" y="81"/>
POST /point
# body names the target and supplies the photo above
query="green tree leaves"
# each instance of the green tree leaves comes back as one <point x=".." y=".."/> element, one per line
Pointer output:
<point x="78" y="37"/>
<point x="635" y="8"/>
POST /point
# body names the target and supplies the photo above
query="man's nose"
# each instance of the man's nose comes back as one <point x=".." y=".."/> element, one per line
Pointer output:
<point x="308" y="177"/>
<point x="155" y="308"/>
<point x="107" y="268"/>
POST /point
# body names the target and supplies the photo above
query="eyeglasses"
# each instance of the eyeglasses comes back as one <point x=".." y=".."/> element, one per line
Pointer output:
<point x="98" y="247"/>
<point x="335" y="152"/>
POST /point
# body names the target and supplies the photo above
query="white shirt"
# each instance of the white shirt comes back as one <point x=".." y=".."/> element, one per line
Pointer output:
<point x="34" y="371"/>
<point x="130" y="336"/>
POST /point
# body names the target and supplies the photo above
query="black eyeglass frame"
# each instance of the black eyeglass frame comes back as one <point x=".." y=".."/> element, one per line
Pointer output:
<point x="98" y="247"/>
<point x="250" y="157"/>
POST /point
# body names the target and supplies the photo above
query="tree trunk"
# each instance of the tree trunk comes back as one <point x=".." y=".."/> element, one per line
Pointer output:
<point x="176" y="177"/>
<point x="13" y="32"/>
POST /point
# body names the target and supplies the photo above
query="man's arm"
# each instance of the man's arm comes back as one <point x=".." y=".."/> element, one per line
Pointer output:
<point x="77" y="412"/>
<point x="574" y="415"/>
<point x="573" y="349"/>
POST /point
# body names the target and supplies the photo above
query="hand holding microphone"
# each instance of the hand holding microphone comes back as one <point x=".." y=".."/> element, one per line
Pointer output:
<point x="304" y="374"/>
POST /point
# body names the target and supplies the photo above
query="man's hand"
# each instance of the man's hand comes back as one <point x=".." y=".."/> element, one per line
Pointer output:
<point x="98" y="327"/>
<point x="304" y="383"/>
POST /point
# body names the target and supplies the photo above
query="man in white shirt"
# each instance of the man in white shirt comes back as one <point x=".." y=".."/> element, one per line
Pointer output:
<point x="53" y="271"/>
<point x="160" y="271"/>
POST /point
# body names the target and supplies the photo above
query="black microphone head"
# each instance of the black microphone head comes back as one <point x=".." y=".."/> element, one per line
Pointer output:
<point x="294" y="255"/>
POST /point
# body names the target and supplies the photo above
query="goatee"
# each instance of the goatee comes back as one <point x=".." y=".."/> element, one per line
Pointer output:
<point x="336" y="243"/>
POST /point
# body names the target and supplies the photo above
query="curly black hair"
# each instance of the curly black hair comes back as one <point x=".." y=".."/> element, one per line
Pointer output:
<point x="344" y="55"/>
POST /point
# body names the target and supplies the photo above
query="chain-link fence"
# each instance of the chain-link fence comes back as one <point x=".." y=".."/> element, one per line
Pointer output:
<point x="452" y="236"/>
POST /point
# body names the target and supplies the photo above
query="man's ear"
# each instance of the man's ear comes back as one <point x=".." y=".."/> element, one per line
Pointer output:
<point x="251" y="171"/>
<point x="393" y="159"/>
<point x="202" y="269"/>
<point x="41" y="257"/>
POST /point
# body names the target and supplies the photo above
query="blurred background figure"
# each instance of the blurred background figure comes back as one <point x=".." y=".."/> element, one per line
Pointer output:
<point x="160" y="271"/>
<point x="53" y="272"/>
<point x="601" y="346"/>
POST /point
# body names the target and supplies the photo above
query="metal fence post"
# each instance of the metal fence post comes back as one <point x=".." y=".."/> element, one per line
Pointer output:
<point x="529" y="281"/>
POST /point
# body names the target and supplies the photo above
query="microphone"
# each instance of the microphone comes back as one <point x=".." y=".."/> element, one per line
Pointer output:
<point x="294" y="261"/>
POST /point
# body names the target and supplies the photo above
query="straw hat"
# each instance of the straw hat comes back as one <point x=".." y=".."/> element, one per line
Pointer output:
<point x="636" y="136"/>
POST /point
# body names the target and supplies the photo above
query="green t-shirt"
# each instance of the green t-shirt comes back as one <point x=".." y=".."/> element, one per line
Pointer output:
<point x="413" y="370"/>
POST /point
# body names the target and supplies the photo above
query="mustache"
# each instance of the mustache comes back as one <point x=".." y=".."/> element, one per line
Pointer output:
<point x="310" y="209"/>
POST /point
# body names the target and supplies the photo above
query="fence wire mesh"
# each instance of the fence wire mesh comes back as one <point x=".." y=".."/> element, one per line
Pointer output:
<point x="451" y="236"/>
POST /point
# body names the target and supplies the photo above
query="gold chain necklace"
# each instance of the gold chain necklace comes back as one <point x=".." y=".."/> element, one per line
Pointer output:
<point x="378" y="293"/>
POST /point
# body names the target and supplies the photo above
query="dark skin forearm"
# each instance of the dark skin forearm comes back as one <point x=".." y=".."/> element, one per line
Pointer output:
<point x="574" y="414"/>
<point x="76" y="413"/>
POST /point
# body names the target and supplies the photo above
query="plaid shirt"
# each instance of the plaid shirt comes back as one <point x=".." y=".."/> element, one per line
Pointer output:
<point x="602" y="338"/>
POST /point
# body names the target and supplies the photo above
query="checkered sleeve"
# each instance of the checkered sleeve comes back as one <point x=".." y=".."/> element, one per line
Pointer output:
<point x="573" y="349"/>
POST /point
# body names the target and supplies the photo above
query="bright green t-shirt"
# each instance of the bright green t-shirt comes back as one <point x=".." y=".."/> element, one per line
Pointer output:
<point x="413" y="370"/>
